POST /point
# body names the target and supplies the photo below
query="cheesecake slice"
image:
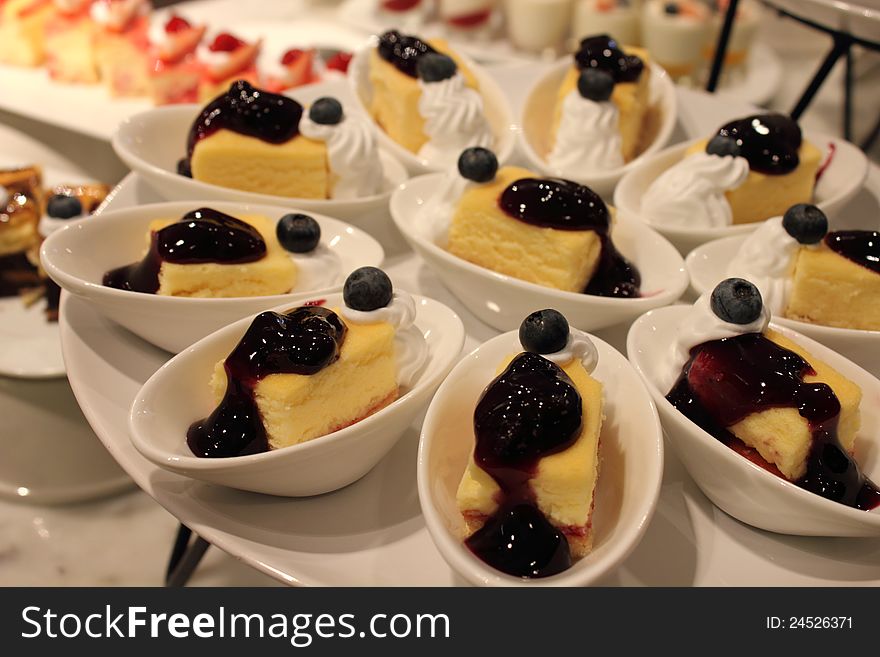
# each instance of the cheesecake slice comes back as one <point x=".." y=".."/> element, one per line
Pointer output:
<point x="274" y="273"/>
<point x="632" y="98"/>
<point x="837" y="282"/>
<point x="395" y="87"/>
<point x="236" y="145"/>
<point x="563" y="483"/>
<point x="295" y="408"/>
<point x="781" y="436"/>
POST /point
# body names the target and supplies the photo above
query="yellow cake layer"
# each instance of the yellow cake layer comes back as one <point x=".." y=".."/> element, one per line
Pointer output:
<point x="483" y="234"/>
<point x="70" y="52"/>
<point x="564" y="482"/>
<point x="298" y="168"/>
<point x="273" y="274"/>
<point x="763" y="196"/>
<point x="22" y="37"/>
<point x="296" y="408"/>
<point x="122" y="65"/>
<point x="833" y="290"/>
<point x="395" y="101"/>
<point x="632" y="100"/>
<point x="781" y="436"/>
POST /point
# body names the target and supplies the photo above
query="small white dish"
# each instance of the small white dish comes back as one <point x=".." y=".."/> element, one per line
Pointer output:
<point x="733" y="483"/>
<point x="841" y="181"/>
<point x="707" y="266"/>
<point x="495" y="105"/>
<point x="78" y="256"/>
<point x="631" y="470"/>
<point x="537" y="121"/>
<point x="152" y="142"/>
<point x="502" y="301"/>
<point x="178" y="394"/>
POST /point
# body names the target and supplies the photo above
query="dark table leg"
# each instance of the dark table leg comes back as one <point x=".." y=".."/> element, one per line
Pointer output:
<point x="185" y="557"/>
<point x="721" y="47"/>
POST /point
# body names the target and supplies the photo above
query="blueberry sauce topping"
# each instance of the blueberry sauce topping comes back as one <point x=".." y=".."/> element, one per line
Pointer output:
<point x="566" y="205"/>
<point x="248" y="111"/>
<point x="304" y="341"/>
<point x="203" y="235"/>
<point x="727" y="380"/>
<point x="770" y="142"/>
<point x="602" y="52"/>
<point x="531" y="410"/>
<point x="860" y="246"/>
<point x="402" y="51"/>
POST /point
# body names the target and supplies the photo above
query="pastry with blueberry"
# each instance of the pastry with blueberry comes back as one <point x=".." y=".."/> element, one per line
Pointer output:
<point x="257" y="141"/>
<point x="306" y="372"/>
<point x="528" y="492"/>
<point x="808" y="273"/>
<point x="21" y="198"/>
<point x="599" y="120"/>
<point x="752" y="169"/>
<point x="210" y="254"/>
<point x="766" y="397"/>
<point x="548" y="231"/>
<point x="426" y="98"/>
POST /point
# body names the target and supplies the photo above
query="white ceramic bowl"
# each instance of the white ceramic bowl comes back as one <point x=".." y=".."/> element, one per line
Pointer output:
<point x="78" y="256"/>
<point x="629" y="479"/>
<point x="840" y="182"/>
<point x="736" y="485"/>
<point x="151" y="143"/>
<point x="502" y="301"/>
<point x="707" y="267"/>
<point x="178" y="394"/>
<point x="495" y="105"/>
<point x="537" y="121"/>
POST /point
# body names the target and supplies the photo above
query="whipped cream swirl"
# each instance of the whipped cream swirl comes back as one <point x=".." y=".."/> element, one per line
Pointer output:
<point x="690" y="194"/>
<point x="157" y="34"/>
<point x="215" y="60"/>
<point x="454" y="120"/>
<point x="353" y="153"/>
<point x="767" y="259"/>
<point x="116" y="14"/>
<point x="702" y="325"/>
<point x="588" y="140"/>
<point x="580" y="347"/>
<point x="435" y="216"/>
<point x="410" y="345"/>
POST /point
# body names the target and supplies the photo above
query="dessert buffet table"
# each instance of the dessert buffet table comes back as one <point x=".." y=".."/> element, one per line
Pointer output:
<point x="370" y="533"/>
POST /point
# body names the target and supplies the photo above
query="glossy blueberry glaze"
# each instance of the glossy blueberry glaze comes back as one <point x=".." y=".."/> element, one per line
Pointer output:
<point x="727" y="380"/>
<point x="604" y="53"/>
<point x="402" y="51"/>
<point x="304" y="341"/>
<point x="860" y="246"/>
<point x="770" y="142"/>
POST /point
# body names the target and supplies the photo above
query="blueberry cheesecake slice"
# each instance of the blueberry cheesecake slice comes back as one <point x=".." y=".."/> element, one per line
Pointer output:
<point x="527" y="494"/>
<point x="766" y="397"/>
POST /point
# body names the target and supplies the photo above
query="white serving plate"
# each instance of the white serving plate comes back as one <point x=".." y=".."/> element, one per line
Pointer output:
<point x="178" y="395"/>
<point x="536" y="121"/>
<point x="743" y="489"/>
<point x="151" y="144"/>
<point x="48" y="453"/>
<point x="89" y="109"/>
<point x="372" y="533"/>
<point x="79" y="255"/>
<point x="630" y="453"/>
<point x="840" y="182"/>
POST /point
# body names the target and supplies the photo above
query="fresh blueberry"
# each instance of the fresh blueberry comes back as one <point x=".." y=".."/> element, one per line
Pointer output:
<point x="737" y="301"/>
<point x="434" y="67"/>
<point x="477" y="164"/>
<point x="595" y="84"/>
<point x="367" y="288"/>
<point x="61" y="206"/>
<point x="298" y="233"/>
<point x="184" y="168"/>
<point x="544" y="332"/>
<point x="326" y="111"/>
<point x="806" y="223"/>
<point x="721" y="145"/>
<point x="671" y="8"/>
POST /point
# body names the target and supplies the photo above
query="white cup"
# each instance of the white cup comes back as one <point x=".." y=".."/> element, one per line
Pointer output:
<point x="537" y="25"/>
